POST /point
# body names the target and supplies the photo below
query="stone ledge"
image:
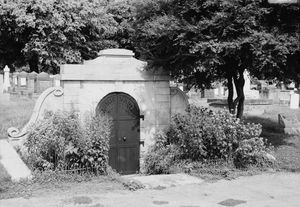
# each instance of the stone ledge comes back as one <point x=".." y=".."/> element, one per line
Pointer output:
<point x="12" y="162"/>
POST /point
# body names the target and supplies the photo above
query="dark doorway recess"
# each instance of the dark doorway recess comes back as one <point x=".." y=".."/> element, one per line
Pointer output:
<point x="124" y="152"/>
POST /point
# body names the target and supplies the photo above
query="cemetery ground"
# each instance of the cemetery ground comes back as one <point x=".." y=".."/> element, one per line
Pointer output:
<point x="18" y="111"/>
<point x="287" y="147"/>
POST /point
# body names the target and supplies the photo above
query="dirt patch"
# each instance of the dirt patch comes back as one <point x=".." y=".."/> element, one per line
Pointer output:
<point x="160" y="202"/>
<point x="232" y="202"/>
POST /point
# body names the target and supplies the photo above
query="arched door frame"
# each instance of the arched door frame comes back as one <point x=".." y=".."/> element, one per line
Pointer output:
<point x="121" y="149"/>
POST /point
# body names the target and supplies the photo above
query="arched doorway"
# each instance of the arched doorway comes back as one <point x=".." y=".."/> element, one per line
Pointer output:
<point x="124" y="150"/>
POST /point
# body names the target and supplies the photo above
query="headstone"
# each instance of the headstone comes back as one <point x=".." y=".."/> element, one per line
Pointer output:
<point x="294" y="100"/>
<point x="4" y="97"/>
<point x="22" y="83"/>
<point x="56" y="80"/>
<point x="216" y="92"/>
<point x="221" y="91"/>
<point x="290" y="124"/>
<point x="32" y="82"/>
<point x="249" y="94"/>
<point x="23" y="78"/>
<point x="43" y="82"/>
<point x="6" y="83"/>
<point x="15" y="77"/>
<point x="247" y="86"/>
<point x="179" y="100"/>
<point x="14" y="84"/>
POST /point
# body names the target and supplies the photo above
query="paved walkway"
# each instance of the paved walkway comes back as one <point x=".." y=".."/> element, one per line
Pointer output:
<point x="269" y="190"/>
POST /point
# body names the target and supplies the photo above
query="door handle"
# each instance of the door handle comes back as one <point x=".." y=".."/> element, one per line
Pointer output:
<point x="124" y="138"/>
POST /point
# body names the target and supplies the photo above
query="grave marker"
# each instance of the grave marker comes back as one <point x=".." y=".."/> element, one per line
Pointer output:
<point x="6" y="83"/>
<point x="294" y="100"/>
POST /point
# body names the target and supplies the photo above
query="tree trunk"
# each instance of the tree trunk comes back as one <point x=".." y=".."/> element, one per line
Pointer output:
<point x="33" y="63"/>
<point x="230" y="94"/>
<point x="238" y="103"/>
<point x="239" y="83"/>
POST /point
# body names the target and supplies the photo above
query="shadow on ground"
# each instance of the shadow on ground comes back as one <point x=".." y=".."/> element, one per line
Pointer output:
<point x="271" y="130"/>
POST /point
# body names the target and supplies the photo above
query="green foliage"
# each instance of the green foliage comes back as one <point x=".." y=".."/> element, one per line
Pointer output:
<point x="200" y="41"/>
<point x="252" y="152"/>
<point x="47" y="141"/>
<point x="123" y="13"/>
<point x="159" y="161"/>
<point x="45" y="34"/>
<point x="94" y="153"/>
<point x="204" y="135"/>
<point x="197" y="41"/>
<point x="60" y="141"/>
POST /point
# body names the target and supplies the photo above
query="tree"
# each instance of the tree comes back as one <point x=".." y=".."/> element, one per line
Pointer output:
<point x="10" y="41"/>
<point x="123" y="13"/>
<point x="47" y="33"/>
<point x="200" y="42"/>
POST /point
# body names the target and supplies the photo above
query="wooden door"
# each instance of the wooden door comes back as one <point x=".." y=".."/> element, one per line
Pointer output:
<point x="124" y="150"/>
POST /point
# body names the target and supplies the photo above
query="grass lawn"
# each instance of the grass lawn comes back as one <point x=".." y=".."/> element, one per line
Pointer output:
<point x="287" y="147"/>
<point x="65" y="183"/>
<point x="4" y="176"/>
<point x="16" y="113"/>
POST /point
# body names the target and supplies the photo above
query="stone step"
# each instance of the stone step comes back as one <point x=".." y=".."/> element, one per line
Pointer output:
<point x="12" y="162"/>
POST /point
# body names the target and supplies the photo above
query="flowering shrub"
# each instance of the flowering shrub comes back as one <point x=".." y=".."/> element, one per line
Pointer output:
<point x="160" y="161"/>
<point x="61" y="141"/>
<point x="161" y="155"/>
<point x="252" y="151"/>
<point x="204" y="135"/>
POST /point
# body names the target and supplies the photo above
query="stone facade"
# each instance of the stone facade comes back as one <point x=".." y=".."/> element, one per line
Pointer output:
<point x="83" y="86"/>
<point x="118" y="71"/>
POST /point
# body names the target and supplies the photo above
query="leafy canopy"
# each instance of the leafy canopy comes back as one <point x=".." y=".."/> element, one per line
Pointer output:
<point x="202" y="41"/>
<point x="47" y="33"/>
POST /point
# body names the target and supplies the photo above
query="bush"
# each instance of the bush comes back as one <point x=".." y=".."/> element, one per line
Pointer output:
<point x="161" y="155"/>
<point x="253" y="151"/>
<point x="160" y="161"/>
<point x="60" y="141"/>
<point x="204" y="135"/>
<point x="94" y="153"/>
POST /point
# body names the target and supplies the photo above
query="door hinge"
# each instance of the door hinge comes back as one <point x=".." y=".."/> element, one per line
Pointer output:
<point x="142" y="117"/>
<point x="142" y="143"/>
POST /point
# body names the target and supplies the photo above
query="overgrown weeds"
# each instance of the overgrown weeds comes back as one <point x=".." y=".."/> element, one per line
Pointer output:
<point x="50" y="180"/>
<point x="62" y="141"/>
<point x="204" y="136"/>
